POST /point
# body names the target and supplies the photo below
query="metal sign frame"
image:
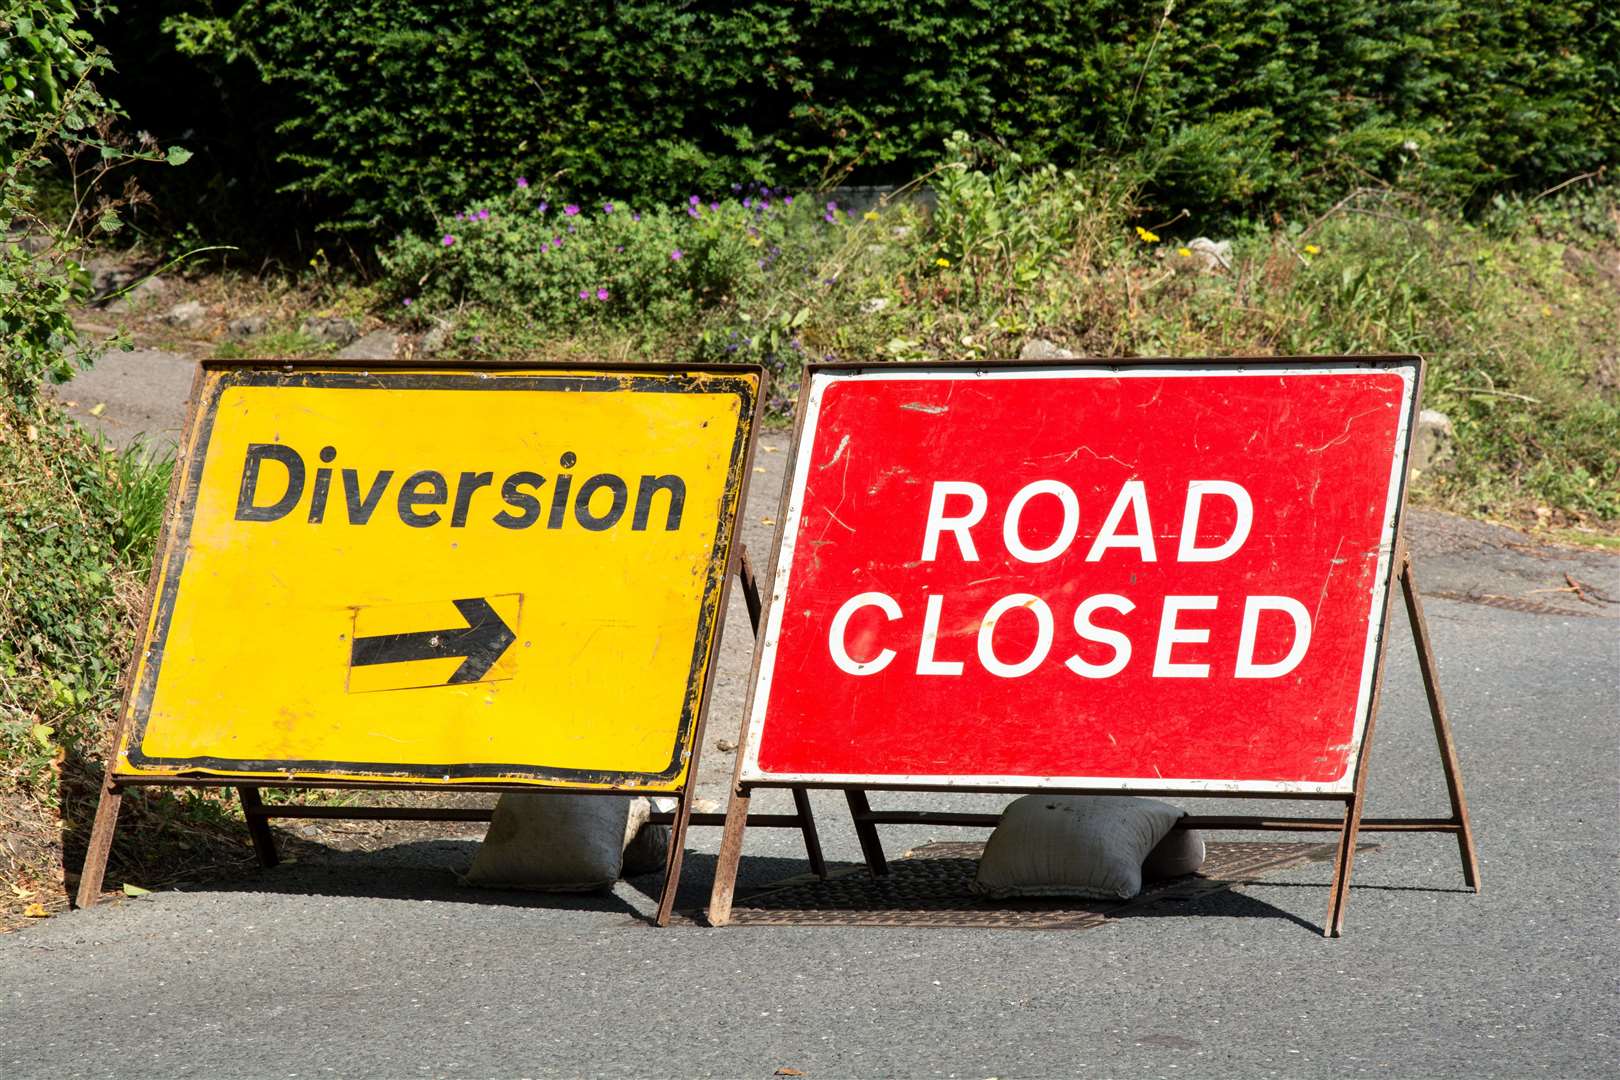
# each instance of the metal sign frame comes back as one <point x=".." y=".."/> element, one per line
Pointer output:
<point x="1350" y="790"/>
<point x="728" y="560"/>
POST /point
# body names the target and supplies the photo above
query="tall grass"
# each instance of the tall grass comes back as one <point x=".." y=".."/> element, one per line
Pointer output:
<point x="1518" y="313"/>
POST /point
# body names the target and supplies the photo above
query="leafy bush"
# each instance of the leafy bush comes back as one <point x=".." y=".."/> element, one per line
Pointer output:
<point x="1226" y="107"/>
<point x="564" y="266"/>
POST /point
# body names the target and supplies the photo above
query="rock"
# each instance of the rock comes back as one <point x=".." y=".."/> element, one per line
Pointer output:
<point x="1434" y="442"/>
<point x="1210" y="255"/>
<point x="107" y="277"/>
<point x="874" y="305"/>
<point x="434" y="339"/>
<point x="377" y="345"/>
<point x="332" y="329"/>
<point x="144" y="295"/>
<point x="33" y="243"/>
<point x="246" y="326"/>
<point x="186" y="315"/>
<point x="1606" y="375"/>
<point x="1041" y="349"/>
<point x="725" y="746"/>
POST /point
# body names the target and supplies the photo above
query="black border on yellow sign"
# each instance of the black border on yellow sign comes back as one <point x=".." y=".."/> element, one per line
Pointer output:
<point x="741" y="382"/>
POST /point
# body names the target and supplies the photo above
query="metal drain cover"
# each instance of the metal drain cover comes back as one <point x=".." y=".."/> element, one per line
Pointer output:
<point x="931" y="887"/>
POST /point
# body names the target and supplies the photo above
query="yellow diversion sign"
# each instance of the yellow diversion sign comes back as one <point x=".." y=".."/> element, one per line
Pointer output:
<point x="442" y="576"/>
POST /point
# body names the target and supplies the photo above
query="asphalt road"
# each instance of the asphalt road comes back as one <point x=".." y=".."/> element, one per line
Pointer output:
<point x="378" y="964"/>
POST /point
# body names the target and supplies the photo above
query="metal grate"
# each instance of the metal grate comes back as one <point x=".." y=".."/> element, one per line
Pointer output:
<point x="931" y="887"/>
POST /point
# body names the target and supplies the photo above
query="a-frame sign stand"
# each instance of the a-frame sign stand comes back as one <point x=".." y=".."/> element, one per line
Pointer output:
<point x="1348" y="824"/>
<point x="693" y="423"/>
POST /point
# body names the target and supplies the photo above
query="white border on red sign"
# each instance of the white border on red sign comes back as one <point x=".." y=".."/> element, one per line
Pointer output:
<point x="821" y="380"/>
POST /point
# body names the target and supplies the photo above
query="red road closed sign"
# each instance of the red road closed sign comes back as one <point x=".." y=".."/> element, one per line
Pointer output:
<point x="1165" y="576"/>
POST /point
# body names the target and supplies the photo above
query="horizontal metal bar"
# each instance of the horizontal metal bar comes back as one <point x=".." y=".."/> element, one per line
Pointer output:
<point x="755" y="821"/>
<point x="475" y="813"/>
<point x="1258" y="824"/>
<point x="1013" y="792"/>
<point x="374" y="813"/>
<point x="1192" y="821"/>
<point x="929" y="817"/>
<point x="315" y="784"/>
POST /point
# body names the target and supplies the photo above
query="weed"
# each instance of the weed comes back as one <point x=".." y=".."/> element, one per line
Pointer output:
<point x="274" y="345"/>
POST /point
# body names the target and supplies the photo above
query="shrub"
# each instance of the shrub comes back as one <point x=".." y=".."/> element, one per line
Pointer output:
<point x="565" y="266"/>
<point x="396" y="108"/>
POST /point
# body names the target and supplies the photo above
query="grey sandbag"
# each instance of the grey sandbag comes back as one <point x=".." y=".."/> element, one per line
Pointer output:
<point x="1073" y="845"/>
<point x="557" y="842"/>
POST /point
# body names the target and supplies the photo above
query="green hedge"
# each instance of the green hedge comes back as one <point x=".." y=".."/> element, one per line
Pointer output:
<point x="401" y="108"/>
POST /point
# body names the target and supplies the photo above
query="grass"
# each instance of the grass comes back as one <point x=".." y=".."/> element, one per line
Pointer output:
<point x="1516" y="312"/>
<point x="274" y="345"/>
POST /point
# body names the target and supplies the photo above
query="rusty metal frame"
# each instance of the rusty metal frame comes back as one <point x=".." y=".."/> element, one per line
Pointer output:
<point x="258" y="815"/>
<point x="1348" y="825"/>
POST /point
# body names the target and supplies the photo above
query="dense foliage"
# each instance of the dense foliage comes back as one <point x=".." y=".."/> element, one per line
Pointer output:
<point x="396" y="109"/>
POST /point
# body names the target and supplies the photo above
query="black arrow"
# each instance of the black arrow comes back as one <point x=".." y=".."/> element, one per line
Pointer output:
<point x="482" y="641"/>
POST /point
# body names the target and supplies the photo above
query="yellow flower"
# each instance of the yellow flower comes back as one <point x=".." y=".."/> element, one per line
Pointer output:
<point x="871" y="215"/>
<point x="1185" y="253"/>
<point x="1312" y="249"/>
<point x="942" y="262"/>
<point x="1146" y="237"/>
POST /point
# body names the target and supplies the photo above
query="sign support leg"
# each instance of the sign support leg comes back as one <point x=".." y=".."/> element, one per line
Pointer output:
<point x="866" y="832"/>
<point x="1442" y="725"/>
<point x="812" y="840"/>
<point x="725" y="868"/>
<point x="101" y="838"/>
<point x="264" y="841"/>
<point x="675" y="855"/>
<point x="1333" y="922"/>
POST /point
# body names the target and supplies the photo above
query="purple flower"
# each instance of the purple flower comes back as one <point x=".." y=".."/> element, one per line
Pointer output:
<point x="556" y="241"/>
<point x="787" y="200"/>
<point x="607" y="208"/>
<point x="458" y="215"/>
<point x="448" y="240"/>
<point x="523" y="181"/>
<point x="601" y="294"/>
<point x="827" y="217"/>
<point x="407" y="301"/>
<point x="677" y="255"/>
<point x="571" y="228"/>
<point x="634" y="216"/>
<point x="736" y="188"/>
<point x="748" y="204"/>
<point x="832" y="206"/>
<point x="584" y="294"/>
<point x="715" y="207"/>
<point x="544" y="206"/>
<point x="483" y="215"/>
<point x="693" y="199"/>
<point x="570" y="209"/>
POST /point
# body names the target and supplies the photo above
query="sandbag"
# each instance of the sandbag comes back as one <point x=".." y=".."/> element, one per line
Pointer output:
<point x="557" y="842"/>
<point x="1180" y="852"/>
<point x="1073" y="845"/>
<point x="648" y="853"/>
